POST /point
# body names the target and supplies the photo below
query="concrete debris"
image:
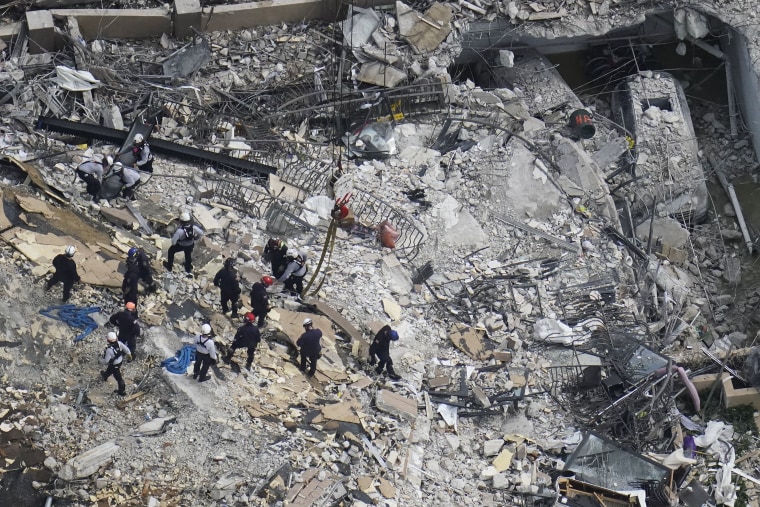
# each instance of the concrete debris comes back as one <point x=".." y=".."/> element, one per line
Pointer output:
<point x="88" y="462"/>
<point x="535" y="226"/>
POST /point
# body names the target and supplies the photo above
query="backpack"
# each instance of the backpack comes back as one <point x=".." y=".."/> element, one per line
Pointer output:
<point x="117" y="355"/>
<point x="189" y="232"/>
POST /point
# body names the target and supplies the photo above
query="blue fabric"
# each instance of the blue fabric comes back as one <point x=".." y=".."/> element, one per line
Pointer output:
<point x="74" y="317"/>
<point x="179" y="363"/>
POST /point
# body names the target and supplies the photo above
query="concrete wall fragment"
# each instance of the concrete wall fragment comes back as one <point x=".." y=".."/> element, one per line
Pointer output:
<point x="119" y="23"/>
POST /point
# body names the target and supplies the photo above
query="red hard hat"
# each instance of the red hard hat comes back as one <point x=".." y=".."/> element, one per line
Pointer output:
<point x="249" y="317"/>
<point x="267" y="280"/>
<point x="343" y="212"/>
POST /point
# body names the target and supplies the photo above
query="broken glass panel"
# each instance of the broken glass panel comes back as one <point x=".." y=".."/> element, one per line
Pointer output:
<point x="599" y="461"/>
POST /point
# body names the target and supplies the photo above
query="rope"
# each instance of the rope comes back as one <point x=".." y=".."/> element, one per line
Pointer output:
<point x="179" y="363"/>
<point x="74" y="317"/>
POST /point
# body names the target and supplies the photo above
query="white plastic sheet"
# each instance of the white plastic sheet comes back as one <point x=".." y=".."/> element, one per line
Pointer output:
<point x="75" y="80"/>
<point x="449" y="414"/>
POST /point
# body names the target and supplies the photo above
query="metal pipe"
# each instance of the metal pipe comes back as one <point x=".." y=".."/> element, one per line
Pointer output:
<point x="731" y="100"/>
<point x="729" y="189"/>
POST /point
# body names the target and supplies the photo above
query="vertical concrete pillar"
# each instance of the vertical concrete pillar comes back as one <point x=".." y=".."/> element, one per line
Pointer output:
<point x="41" y="31"/>
<point x="187" y="14"/>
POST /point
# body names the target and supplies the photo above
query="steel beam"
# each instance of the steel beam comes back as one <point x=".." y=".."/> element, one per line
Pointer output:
<point x="159" y="146"/>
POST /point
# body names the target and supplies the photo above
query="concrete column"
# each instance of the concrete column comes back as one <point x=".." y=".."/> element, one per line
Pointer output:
<point x="187" y="15"/>
<point x="41" y="31"/>
<point x="7" y="32"/>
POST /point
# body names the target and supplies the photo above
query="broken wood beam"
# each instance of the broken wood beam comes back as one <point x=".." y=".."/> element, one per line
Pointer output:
<point x="122" y="404"/>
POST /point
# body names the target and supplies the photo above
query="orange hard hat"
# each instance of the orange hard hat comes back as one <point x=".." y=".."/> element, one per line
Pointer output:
<point x="267" y="280"/>
<point x="130" y="306"/>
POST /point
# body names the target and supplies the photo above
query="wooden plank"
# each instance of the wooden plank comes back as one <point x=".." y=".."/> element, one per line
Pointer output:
<point x="121" y="404"/>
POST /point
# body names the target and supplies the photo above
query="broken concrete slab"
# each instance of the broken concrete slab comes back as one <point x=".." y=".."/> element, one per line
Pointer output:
<point x="345" y="411"/>
<point x="379" y="74"/>
<point x="392" y="309"/>
<point x="36" y="178"/>
<point x="92" y="267"/>
<point x="461" y="227"/>
<point x="668" y="235"/>
<point x="119" y="216"/>
<point x="430" y="29"/>
<point x="88" y="462"/>
<point x="503" y="461"/>
<point x="155" y="426"/>
<point x="471" y="341"/>
<point x="395" y="404"/>
<point x="207" y="219"/>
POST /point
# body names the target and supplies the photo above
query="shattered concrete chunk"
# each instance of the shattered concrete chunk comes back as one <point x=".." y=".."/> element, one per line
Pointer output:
<point x="88" y="462"/>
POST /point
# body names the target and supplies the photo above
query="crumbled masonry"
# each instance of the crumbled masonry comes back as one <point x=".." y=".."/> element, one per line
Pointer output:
<point x="553" y="204"/>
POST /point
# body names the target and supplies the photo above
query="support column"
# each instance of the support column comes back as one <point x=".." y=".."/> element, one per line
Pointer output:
<point x="41" y="31"/>
<point x="187" y="15"/>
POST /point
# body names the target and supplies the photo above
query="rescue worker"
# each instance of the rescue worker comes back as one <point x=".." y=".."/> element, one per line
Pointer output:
<point x="91" y="172"/>
<point x="113" y="356"/>
<point x="205" y="353"/>
<point x="260" y="298"/>
<point x="310" y="346"/>
<point x="142" y="154"/>
<point x="183" y="240"/>
<point x="128" y="326"/>
<point x="129" y="179"/>
<point x="227" y="281"/>
<point x="381" y="348"/>
<point x="138" y="260"/>
<point x="129" y="287"/>
<point x="276" y="253"/>
<point x="246" y="337"/>
<point x="294" y="274"/>
<point x="65" y="271"/>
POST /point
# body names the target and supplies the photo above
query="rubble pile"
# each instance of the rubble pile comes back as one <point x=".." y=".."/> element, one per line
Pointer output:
<point x="552" y="348"/>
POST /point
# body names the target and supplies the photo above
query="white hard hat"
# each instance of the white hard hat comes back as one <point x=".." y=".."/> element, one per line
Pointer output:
<point x="71" y="250"/>
<point x="184" y="216"/>
<point x="109" y="160"/>
<point x="307" y="322"/>
<point x="111" y="337"/>
<point x="139" y="138"/>
<point x="117" y="166"/>
<point x="206" y="329"/>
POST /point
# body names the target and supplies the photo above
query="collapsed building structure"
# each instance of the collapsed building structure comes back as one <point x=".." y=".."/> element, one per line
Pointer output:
<point x="553" y="326"/>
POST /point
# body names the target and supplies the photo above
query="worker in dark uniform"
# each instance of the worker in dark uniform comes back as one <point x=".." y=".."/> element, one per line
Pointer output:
<point x="129" y="287"/>
<point x="205" y="353"/>
<point x="276" y="253"/>
<point x="113" y="356"/>
<point x="227" y="281"/>
<point x="310" y="346"/>
<point x="65" y="271"/>
<point x="247" y="337"/>
<point x="138" y="260"/>
<point x="128" y="326"/>
<point x="294" y="274"/>
<point x="381" y="348"/>
<point x="183" y="240"/>
<point x="260" y="298"/>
